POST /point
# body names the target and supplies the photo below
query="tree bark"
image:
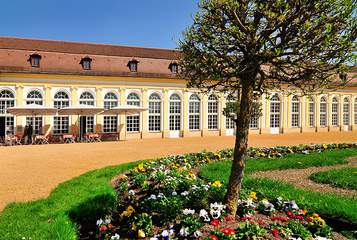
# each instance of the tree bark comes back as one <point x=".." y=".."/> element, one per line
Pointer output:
<point x="241" y="143"/>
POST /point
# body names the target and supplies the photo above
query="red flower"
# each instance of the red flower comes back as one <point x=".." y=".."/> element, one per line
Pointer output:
<point x="110" y="225"/>
<point x="215" y="222"/>
<point x="275" y="232"/>
<point x="228" y="231"/>
<point x="310" y="219"/>
<point x="103" y="228"/>
<point x="213" y="237"/>
<point x="245" y="218"/>
<point x="290" y="214"/>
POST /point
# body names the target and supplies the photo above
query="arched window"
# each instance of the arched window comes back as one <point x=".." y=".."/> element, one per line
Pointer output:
<point x="311" y="112"/>
<point x="7" y="99"/>
<point x="194" y="112"/>
<point x="355" y="110"/>
<point x="175" y="113"/>
<point x="275" y="111"/>
<point x="230" y="124"/>
<point x="61" y="123"/>
<point x="110" y="100"/>
<point x="154" y="113"/>
<point x="295" y="111"/>
<point x="110" y="123"/>
<point x="346" y="111"/>
<point x="86" y="98"/>
<point x="323" y="112"/>
<point x="34" y="97"/>
<point x="61" y="100"/>
<point x="133" y="121"/>
<point x="212" y="112"/>
<point x="334" y="112"/>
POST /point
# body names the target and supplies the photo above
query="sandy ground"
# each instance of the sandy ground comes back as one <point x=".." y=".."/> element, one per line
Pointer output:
<point x="31" y="172"/>
<point x="300" y="178"/>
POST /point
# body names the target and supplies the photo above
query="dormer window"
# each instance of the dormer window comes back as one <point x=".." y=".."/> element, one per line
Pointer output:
<point x="173" y="68"/>
<point x="35" y="60"/>
<point x="133" y="65"/>
<point x="86" y="63"/>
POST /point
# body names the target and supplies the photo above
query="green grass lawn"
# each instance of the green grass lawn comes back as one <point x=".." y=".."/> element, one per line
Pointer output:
<point x="86" y="196"/>
<point x="343" y="178"/>
<point x="290" y="161"/>
<point x="89" y="196"/>
<point x="330" y="205"/>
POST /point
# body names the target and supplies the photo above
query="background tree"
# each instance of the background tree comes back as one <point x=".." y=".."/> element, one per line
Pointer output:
<point x="249" y="46"/>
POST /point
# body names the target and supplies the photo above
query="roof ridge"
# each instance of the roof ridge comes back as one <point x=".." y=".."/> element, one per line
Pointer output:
<point x="86" y="43"/>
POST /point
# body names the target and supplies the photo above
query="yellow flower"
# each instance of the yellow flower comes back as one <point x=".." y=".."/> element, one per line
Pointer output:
<point x="315" y="215"/>
<point x="141" y="233"/>
<point x="191" y="175"/>
<point x="216" y="184"/>
<point x="127" y="213"/>
<point x="141" y="167"/>
<point x="253" y="195"/>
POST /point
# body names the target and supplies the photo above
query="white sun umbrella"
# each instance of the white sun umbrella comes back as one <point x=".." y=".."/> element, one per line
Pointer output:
<point x="124" y="110"/>
<point x="80" y="110"/>
<point x="32" y="110"/>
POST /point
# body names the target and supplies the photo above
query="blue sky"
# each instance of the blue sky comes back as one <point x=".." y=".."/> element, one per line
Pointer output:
<point x="149" y="23"/>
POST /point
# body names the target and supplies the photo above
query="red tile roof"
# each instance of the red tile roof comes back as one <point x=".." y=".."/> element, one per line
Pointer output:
<point x="86" y="48"/>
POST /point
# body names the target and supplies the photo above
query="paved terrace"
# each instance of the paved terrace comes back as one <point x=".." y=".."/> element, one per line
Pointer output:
<point x="31" y="172"/>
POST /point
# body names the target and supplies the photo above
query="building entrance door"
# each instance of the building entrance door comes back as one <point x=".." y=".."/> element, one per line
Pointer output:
<point x="2" y="127"/>
<point x="83" y="126"/>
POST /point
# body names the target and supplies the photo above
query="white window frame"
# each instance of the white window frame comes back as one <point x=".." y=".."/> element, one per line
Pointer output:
<point x="175" y="112"/>
<point x="275" y="111"/>
<point x="194" y="111"/>
<point x="295" y="112"/>
<point x="346" y="111"/>
<point x="212" y="112"/>
<point x="154" y="115"/>
<point x="323" y="112"/>
<point x="334" y="112"/>
<point x="34" y="97"/>
<point x="133" y="121"/>
<point x="311" y="112"/>
<point x="61" y="123"/>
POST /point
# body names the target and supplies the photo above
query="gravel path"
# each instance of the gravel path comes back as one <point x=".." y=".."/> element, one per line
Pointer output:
<point x="31" y="172"/>
<point x="300" y="178"/>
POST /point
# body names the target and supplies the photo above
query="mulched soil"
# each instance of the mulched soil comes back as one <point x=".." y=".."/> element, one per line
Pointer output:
<point x="300" y="178"/>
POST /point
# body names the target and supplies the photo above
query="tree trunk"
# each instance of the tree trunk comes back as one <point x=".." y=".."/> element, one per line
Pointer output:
<point x="241" y="143"/>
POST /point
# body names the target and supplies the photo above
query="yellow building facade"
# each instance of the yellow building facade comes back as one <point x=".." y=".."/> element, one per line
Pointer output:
<point x="173" y="110"/>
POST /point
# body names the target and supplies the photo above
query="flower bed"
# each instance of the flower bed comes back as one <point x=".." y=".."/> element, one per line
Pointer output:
<point x="164" y="199"/>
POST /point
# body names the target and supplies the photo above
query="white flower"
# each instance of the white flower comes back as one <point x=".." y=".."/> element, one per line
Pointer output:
<point x="197" y="234"/>
<point x="174" y="193"/>
<point x="107" y="221"/>
<point x="184" y="231"/>
<point x="160" y="195"/>
<point x="165" y="233"/>
<point x="115" y="237"/>
<point x="293" y="238"/>
<point x="216" y="210"/>
<point x="172" y="231"/>
<point x="321" y="238"/>
<point x="188" y="211"/>
<point x="155" y="238"/>
<point x="131" y="192"/>
<point x="204" y="215"/>
<point x="152" y="197"/>
<point x="100" y="222"/>
<point x="185" y="193"/>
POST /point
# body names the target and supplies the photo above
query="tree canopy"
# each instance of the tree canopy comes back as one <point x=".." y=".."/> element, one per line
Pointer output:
<point x="245" y="47"/>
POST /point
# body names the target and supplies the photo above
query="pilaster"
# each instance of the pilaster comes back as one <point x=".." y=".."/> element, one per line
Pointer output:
<point x="144" y="115"/>
<point x="165" y="116"/>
